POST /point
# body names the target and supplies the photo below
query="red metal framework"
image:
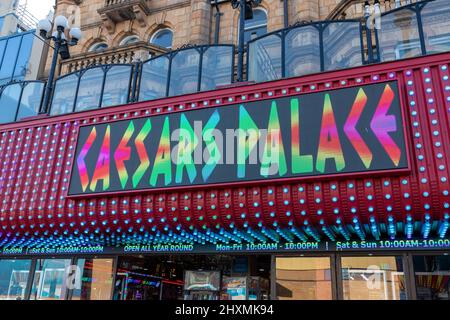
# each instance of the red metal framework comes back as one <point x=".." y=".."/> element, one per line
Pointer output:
<point x="36" y="158"/>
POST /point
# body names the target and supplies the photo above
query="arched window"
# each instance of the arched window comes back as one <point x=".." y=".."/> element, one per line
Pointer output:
<point x="99" y="46"/>
<point x="129" y="40"/>
<point x="163" y="38"/>
<point x="257" y="26"/>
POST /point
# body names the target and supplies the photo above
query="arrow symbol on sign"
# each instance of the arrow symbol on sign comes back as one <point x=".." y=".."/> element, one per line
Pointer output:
<point x="382" y="124"/>
<point x="353" y="135"/>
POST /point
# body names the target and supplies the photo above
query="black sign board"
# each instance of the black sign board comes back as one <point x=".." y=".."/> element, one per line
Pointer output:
<point x="350" y="130"/>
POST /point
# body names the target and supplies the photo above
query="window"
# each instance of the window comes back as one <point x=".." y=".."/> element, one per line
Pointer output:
<point x="129" y="40"/>
<point x="117" y="86"/>
<point x="373" y="278"/>
<point x="90" y="89"/>
<point x="184" y="72"/>
<point x="9" y="102"/>
<point x="303" y="278"/>
<point x="9" y="59"/>
<point x="432" y="274"/>
<point x="163" y="38"/>
<point x="13" y="279"/>
<point x="154" y="79"/>
<point x="64" y="95"/>
<point x="98" y="47"/>
<point x="30" y="100"/>
<point x="96" y="280"/>
<point x="257" y="26"/>
<point x="50" y="279"/>
<point x="15" y="53"/>
<point x="399" y="36"/>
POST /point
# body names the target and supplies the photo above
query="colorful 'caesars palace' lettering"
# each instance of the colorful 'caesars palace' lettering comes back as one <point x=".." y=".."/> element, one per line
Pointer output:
<point x="312" y="135"/>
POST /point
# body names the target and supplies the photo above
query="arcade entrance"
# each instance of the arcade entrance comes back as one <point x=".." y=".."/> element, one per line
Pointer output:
<point x="193" y="277"/>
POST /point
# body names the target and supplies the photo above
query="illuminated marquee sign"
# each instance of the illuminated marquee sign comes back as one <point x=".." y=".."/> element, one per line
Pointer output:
<point x="350" y="130"/>
<point x="269" y="247"/>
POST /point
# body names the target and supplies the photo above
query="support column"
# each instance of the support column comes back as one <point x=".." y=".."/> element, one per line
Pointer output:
<point x="200" y="22"/>
<point x="305" y="10"/>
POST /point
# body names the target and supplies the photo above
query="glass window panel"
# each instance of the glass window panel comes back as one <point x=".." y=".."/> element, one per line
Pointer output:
<point x="21" y="69"/>
<point x="90" y="90"/>
<point x="140" y="278"/>
<point x="154" y="79"/>
<point x="2" y="51"/>
<point x="436" y="26"/>
<point x="432" y="275"/>
<point x="96" y="279"/>
<point x="399" y="36"/>
<point x="117" y="86"/>
<point x="184" y="72"/>
<point x="98" y="47"/>
<point x="217" y="67"/>
<point x="9" y="102"/>
<point x="265" y="59"/>
<point x="9" y="59"/>
<point x="303" y="278"/>
<point x="13" y="279"/>
<point x="342" y="45"/>
<point x="302" y="51"/>
<point x="129" y="40"/>
<point x="31" y="100"/>
<point x="373" y="278"/>
<point x="64" y="95"/>
<point x="50" y="279"/>
<point x="163" y="38"/>
<point x="257" y="26"/>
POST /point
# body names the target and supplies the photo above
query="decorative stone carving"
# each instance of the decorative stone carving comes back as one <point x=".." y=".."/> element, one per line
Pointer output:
<point x="108" y="23"/>
<point x="141" y="16"/>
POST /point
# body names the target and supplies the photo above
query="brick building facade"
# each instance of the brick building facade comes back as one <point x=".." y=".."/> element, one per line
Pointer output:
<point x="110" y="24"/>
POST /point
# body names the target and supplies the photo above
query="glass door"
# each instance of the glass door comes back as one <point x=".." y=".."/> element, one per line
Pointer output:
<point x="303" y="278"/>
<point x="13" y="279"/>
<point x="50" y="279"/>
<point x="95" y="279"/>
<point x="432" y="275"/>
<point x="373" y="278"/>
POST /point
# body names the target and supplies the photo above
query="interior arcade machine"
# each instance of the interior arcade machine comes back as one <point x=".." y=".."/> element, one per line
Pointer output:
<point x="202" y="285"/>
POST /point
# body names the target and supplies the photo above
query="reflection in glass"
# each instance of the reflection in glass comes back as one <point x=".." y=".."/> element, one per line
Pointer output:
<point x="265" y="59"/>
<point x="96" y="280"/>
<point x="436" y="26"/>
<point x="373" y="278"/>
<point x="257" y="26"/>
<point x="50" y="279"/>
<point x="163" y="38"/>
<point x="117" y="86"/>
<point x="154" y="79"/>
<point x="31" y="100"/>
<point x="184" y="72"/>
<point x="23" y="57"/>
<point x="301" y="278"/>
<point x="9" y="102"/>
<point x="399" y="36"/>
<point x="342" y="45"/>
<point x="432" y="275"/>
<point x="302" y="51"/>
<point x="9" y="58"/>
<point x="2" y="51"/>
<point x="64" y="95"/>
<point x="13" y="279"/>
<point x="217" y="67"/>
<point x="90" y="90"/>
